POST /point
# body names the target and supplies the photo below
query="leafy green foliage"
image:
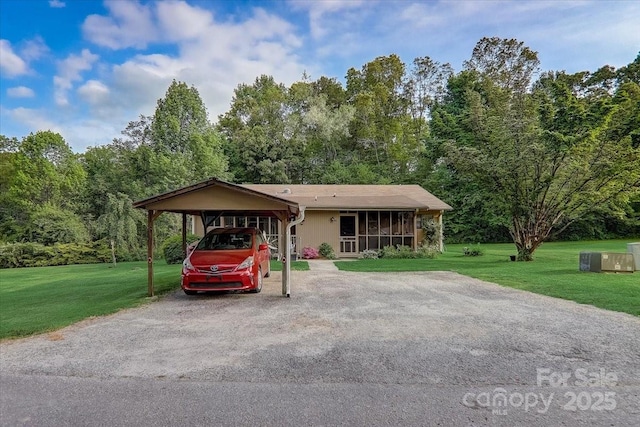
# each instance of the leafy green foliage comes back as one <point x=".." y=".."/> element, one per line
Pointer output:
<point x="172" y="248"/>
<point x="369" y="254"/>
<point x="326" y="251"/>
<point x="472" y="250"/>
<point x="15" y="255"/>
<point x="406" y="252"/>
<point x="50" y="224"/>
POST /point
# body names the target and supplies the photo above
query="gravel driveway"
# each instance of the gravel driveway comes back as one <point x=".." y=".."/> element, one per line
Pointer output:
<point x="433" y="348"/>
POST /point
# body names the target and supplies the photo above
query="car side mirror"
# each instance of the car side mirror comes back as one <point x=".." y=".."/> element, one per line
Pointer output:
<point x="263" y="247"/>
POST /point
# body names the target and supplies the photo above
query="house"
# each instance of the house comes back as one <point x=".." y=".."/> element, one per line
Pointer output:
<point x="351" y="218"/>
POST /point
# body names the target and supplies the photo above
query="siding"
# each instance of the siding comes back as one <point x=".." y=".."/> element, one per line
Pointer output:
<point x="317" y="228"/>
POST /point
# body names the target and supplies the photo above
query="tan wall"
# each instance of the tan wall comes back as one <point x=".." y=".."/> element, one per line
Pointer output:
<point x="198" y="228"/>
<point x="221" y="198"/>
<point x="317" y="228"/>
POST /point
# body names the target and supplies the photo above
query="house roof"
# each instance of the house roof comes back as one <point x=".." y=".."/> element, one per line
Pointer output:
<point x="354" y="196"/>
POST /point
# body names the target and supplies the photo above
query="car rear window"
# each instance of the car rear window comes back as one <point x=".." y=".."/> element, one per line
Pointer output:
<point x="225" y="241"/>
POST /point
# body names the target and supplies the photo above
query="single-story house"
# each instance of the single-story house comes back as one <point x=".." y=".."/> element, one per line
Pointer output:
<point x="350" y="218"/>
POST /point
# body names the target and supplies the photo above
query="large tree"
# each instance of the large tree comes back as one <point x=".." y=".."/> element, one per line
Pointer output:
<point x="259" y="144"/>
<point x="543" y="158"/>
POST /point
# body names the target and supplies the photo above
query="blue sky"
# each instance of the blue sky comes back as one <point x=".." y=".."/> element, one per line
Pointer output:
<point x="86" y="68"/>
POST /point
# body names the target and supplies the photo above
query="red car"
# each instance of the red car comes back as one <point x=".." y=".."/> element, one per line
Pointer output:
<point x="227" y="259"/>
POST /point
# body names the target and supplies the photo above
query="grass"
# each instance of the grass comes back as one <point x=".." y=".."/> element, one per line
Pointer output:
<point x="42" y="299"/>
<point x="295" y="265"/>
<point x="555" y="272"/>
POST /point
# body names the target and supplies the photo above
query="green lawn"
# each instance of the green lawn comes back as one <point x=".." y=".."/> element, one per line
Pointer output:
<point x="40" y="299"/>
<point x="295" y="266"/>
<point x="555" y="272"/>
<point x="35" y="300"/>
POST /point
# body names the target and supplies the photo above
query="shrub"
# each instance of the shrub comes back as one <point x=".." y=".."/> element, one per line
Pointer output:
<point x="30" y="254"/>
<point x="472" y="250"/>
<point x="369" y="254"/>
<point x="405" y="252"/>
<point x="172" y="248"/>
<point x="325" y="250"/>
<point x="431" y="231"/>
<point x="310" y="253"/>
<point x="49" y="224"/>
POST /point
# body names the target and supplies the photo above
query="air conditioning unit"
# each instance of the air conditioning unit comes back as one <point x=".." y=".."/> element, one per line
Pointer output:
<point x="591" y="261"/>
<point x="607" y="261"/>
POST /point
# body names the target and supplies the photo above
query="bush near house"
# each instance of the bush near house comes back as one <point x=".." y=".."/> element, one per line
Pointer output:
<point x="310" y="253"/>
<point x="325" y="250"/>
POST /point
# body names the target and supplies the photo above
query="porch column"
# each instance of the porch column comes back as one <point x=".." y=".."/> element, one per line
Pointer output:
<point x="441" y="241"/>
<point x="285" y="252"/>
<point x="151" y="217"/>
<point x="184" y="235"/>
<point x="150" y="252"/>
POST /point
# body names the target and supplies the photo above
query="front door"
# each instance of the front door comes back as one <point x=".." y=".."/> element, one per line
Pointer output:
<point x="348" y="238"/>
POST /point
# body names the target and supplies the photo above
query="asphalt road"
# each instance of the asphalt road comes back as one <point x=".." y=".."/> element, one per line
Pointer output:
<point x="345" y="349"/>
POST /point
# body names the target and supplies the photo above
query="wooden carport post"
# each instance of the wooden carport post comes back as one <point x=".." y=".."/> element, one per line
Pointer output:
<point x="151" y="217"/>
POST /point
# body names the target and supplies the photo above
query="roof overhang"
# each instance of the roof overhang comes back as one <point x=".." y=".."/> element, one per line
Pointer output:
<point x="214" y="195"/>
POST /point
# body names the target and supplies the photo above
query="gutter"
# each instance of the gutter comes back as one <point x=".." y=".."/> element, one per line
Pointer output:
<point x="286" y="284"/>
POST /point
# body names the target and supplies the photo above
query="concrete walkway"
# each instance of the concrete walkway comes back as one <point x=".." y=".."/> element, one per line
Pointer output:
<point x="322" y="265"/>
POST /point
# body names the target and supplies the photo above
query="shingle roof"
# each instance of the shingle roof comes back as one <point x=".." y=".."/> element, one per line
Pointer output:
<point x="354" y="196"/>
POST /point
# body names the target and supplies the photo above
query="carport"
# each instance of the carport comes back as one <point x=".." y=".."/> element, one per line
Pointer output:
<point x="213" y="198"/>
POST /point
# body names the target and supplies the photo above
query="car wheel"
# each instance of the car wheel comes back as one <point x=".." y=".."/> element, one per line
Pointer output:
<point x="188" y="292"/>
<point x="259" y="279"/>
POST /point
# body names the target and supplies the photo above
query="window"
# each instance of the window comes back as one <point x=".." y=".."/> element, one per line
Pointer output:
<point x="378" y="229"/>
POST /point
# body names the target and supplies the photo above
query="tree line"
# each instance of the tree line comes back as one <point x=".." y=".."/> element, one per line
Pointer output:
<point x="522" y="155"/>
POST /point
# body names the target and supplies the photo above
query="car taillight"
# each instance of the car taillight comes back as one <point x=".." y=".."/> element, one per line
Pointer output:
<point x="186" y="265"/>
<point x="247" y="263"/>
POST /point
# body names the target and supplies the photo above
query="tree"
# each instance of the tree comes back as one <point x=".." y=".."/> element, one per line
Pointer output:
<point x="379" y="130"/>
<point x="178" y="116"/>
<point x="534" y="155"/>
<point x="49" y="224"/>
<point x="259" y="143"/>
<point x="40" y="170"/>
<point x="119" y="224"/>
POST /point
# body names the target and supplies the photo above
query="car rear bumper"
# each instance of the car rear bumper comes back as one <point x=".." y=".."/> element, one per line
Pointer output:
<point x="236" y="281"/>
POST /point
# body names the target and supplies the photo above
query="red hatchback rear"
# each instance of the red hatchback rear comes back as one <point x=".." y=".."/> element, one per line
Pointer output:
<point x="227" y="259"/>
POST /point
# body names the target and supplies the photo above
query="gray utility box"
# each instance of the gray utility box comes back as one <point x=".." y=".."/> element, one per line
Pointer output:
<point x="634" y="249"/>
<point x="606" y="261"/>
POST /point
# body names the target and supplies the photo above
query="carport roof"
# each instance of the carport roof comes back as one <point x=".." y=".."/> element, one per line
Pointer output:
<point x="217" y="195"/>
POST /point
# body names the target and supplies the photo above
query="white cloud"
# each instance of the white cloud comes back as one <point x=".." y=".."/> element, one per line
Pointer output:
<point x="33" y="49"/>
<point x="11" y="65"/>
<point x="33" y="119"/>
<point x="20" y="92"/>
<point x="215" y="59"/>
<point x="69" y="71"/>
<point x="56" y="3"/>
<point x="129" y="24"/>
<point x="322" y="14"/>
<point x="180" y="21"/>
<point x="94" y="92"/>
